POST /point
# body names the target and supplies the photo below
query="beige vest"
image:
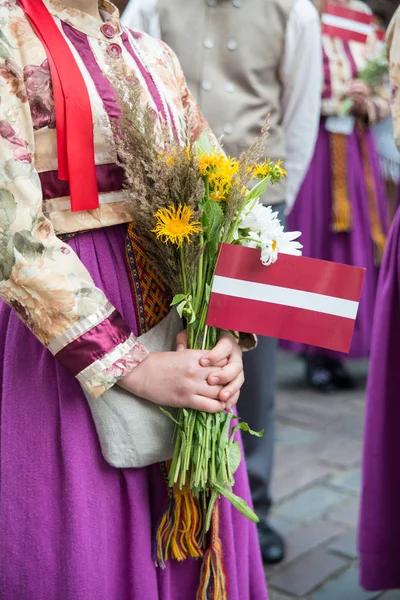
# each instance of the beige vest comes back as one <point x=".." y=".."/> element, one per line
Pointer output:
<point x="231" y="52"/>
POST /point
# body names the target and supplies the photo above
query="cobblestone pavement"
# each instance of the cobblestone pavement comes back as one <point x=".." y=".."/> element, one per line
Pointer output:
<point x="316" y="489"/>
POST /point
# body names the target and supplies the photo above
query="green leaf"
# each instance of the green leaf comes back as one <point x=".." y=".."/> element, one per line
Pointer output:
<point x="210" y="509"/>
<point x="234" y="334"/>
<point x="235" y="456"/>
<point x="189" y="314"/>
<point x="208" y="293"/>
<point x="225" y="430"/>
<point x="345" y="107"/>
<point x="177" y="299"/>
<point x="245" y="427"/>
<point x="258" y="190"/>
<point x="238" y="503"/>
<point x="170" y="416"/>
<point x="180" y="308"/>
<point x="213" y="218"/>
<point x="204" y="144"/>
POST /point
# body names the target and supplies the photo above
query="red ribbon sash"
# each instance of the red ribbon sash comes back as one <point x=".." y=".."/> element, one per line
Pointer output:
<point x="75" y="143"/>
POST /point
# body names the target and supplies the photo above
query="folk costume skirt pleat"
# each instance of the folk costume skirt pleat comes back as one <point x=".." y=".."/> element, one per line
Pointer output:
<point x="314" y="215"/>
<point x="71" y="526"/>
<point x="379" y="531"/>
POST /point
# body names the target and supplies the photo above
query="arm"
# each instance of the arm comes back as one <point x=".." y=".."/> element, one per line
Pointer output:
<point x="301" y="76"/>
<point x="378" y="101"/>
<point x="41" y="278"/>
<point x="143" y="15"/>
<point x="393" y="42"/>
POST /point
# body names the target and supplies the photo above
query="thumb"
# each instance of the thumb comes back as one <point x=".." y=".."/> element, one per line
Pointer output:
<point x="181" y="341"/>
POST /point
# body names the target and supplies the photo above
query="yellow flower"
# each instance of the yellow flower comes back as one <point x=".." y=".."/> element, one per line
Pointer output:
<point x="220" y="170"/>
<point x="217" y="164"/>
<point x="268" y="168"/>
<point x="208" y="163"/>
<point x="219" y="189"/>
<point x="174" y="225"/>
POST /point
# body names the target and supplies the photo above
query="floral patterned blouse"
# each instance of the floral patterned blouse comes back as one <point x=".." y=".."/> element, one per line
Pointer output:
<point x="393" y="41"/>
<point x="41" y="278"/>
<point x="343" y="61"/>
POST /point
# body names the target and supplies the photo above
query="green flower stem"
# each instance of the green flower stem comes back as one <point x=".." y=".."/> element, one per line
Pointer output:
<point x="234" y="226"/>
<point x="183" y="267"/>
<point x="248" y="240"/>
<point x="346" y="107"/>
<point x="200" y="278"/>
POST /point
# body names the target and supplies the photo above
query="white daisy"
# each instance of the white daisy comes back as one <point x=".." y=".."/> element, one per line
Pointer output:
<point x="258" y="218"/>
<point x="274" y="242"/>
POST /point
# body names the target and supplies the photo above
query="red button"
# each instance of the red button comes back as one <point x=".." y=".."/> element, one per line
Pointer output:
<point x="114" y="50"/>
<point x="108" y="31"/>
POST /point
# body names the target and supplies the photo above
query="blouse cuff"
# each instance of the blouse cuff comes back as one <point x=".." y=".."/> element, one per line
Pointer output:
<point x="99" y="350"/>
<point x="105" y="373"/>
<point x="377" y="109"/>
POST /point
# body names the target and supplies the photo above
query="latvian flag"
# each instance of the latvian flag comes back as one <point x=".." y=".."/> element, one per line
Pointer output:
<point x="346" y="24"/>
<point x="298" y="299"/>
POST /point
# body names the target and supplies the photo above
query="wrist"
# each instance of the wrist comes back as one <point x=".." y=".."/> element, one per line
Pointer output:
<point x="133" y="381"/>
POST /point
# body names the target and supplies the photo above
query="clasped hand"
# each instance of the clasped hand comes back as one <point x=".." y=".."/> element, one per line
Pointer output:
<point x="209" y="381"/>
<point x="359" y="92"/>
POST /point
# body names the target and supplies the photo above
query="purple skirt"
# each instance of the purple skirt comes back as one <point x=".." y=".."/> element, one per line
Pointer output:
<point x="379" y="531"/>
<point x="312" y="215"/>
<point x="71" y="526"/>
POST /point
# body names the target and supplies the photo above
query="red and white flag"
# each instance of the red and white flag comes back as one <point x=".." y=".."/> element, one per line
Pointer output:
<point x="298" y="299"/>
<point x="346" y="23"/>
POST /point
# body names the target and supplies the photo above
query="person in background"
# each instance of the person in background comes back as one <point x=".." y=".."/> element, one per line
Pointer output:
<point x="244" y="60"/>
<point x="389" y="157"/>
<point x="379" y="528"/>
<point x="341" y="208"/>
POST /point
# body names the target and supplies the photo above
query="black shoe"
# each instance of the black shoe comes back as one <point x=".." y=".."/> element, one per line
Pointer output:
<point x="319" y="376"/>
<point x="340" y="375"/>
<point x="271" y="543"/>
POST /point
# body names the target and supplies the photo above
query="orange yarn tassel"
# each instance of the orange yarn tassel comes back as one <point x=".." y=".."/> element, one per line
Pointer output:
<point x="179" y="532"/>
<point x="342" y="220"/>
<point x="213" y="582"/>
<point x="377" y="234"/>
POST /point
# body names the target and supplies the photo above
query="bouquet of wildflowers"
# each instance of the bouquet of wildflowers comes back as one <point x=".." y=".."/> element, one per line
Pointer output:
<point x="377" y="67"/>
<point x="189" y="198"/>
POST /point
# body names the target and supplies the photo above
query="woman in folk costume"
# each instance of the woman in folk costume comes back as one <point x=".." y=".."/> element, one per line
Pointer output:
<point x="389" y="157"/>
<point x="71" y="525"/>
<point x="379" y="530"/>
<point x="341" y="207"/>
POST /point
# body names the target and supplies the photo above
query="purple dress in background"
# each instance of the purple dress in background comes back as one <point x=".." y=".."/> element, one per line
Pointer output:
<point x="71" y="526"/>
<point x="312" y="215"/>
<point x="379" y="531"/>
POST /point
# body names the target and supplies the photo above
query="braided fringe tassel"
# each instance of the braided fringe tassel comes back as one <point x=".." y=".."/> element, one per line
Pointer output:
<point x="213" y="582"/>
<point x="179" y="532"/>
<point x="377" y="234"/>
<point x="342" y="220"/>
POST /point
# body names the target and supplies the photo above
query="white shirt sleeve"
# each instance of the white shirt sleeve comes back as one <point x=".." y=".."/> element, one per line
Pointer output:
<point x="142" y="15"/>
<point x="301" y="76"/>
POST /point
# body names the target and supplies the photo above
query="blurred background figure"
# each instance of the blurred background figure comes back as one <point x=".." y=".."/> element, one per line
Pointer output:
<point x="389" y="156"/>
<point x="341" y="208"/>
<point x="243" y="60"/>
<point x="379" y="530"/>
